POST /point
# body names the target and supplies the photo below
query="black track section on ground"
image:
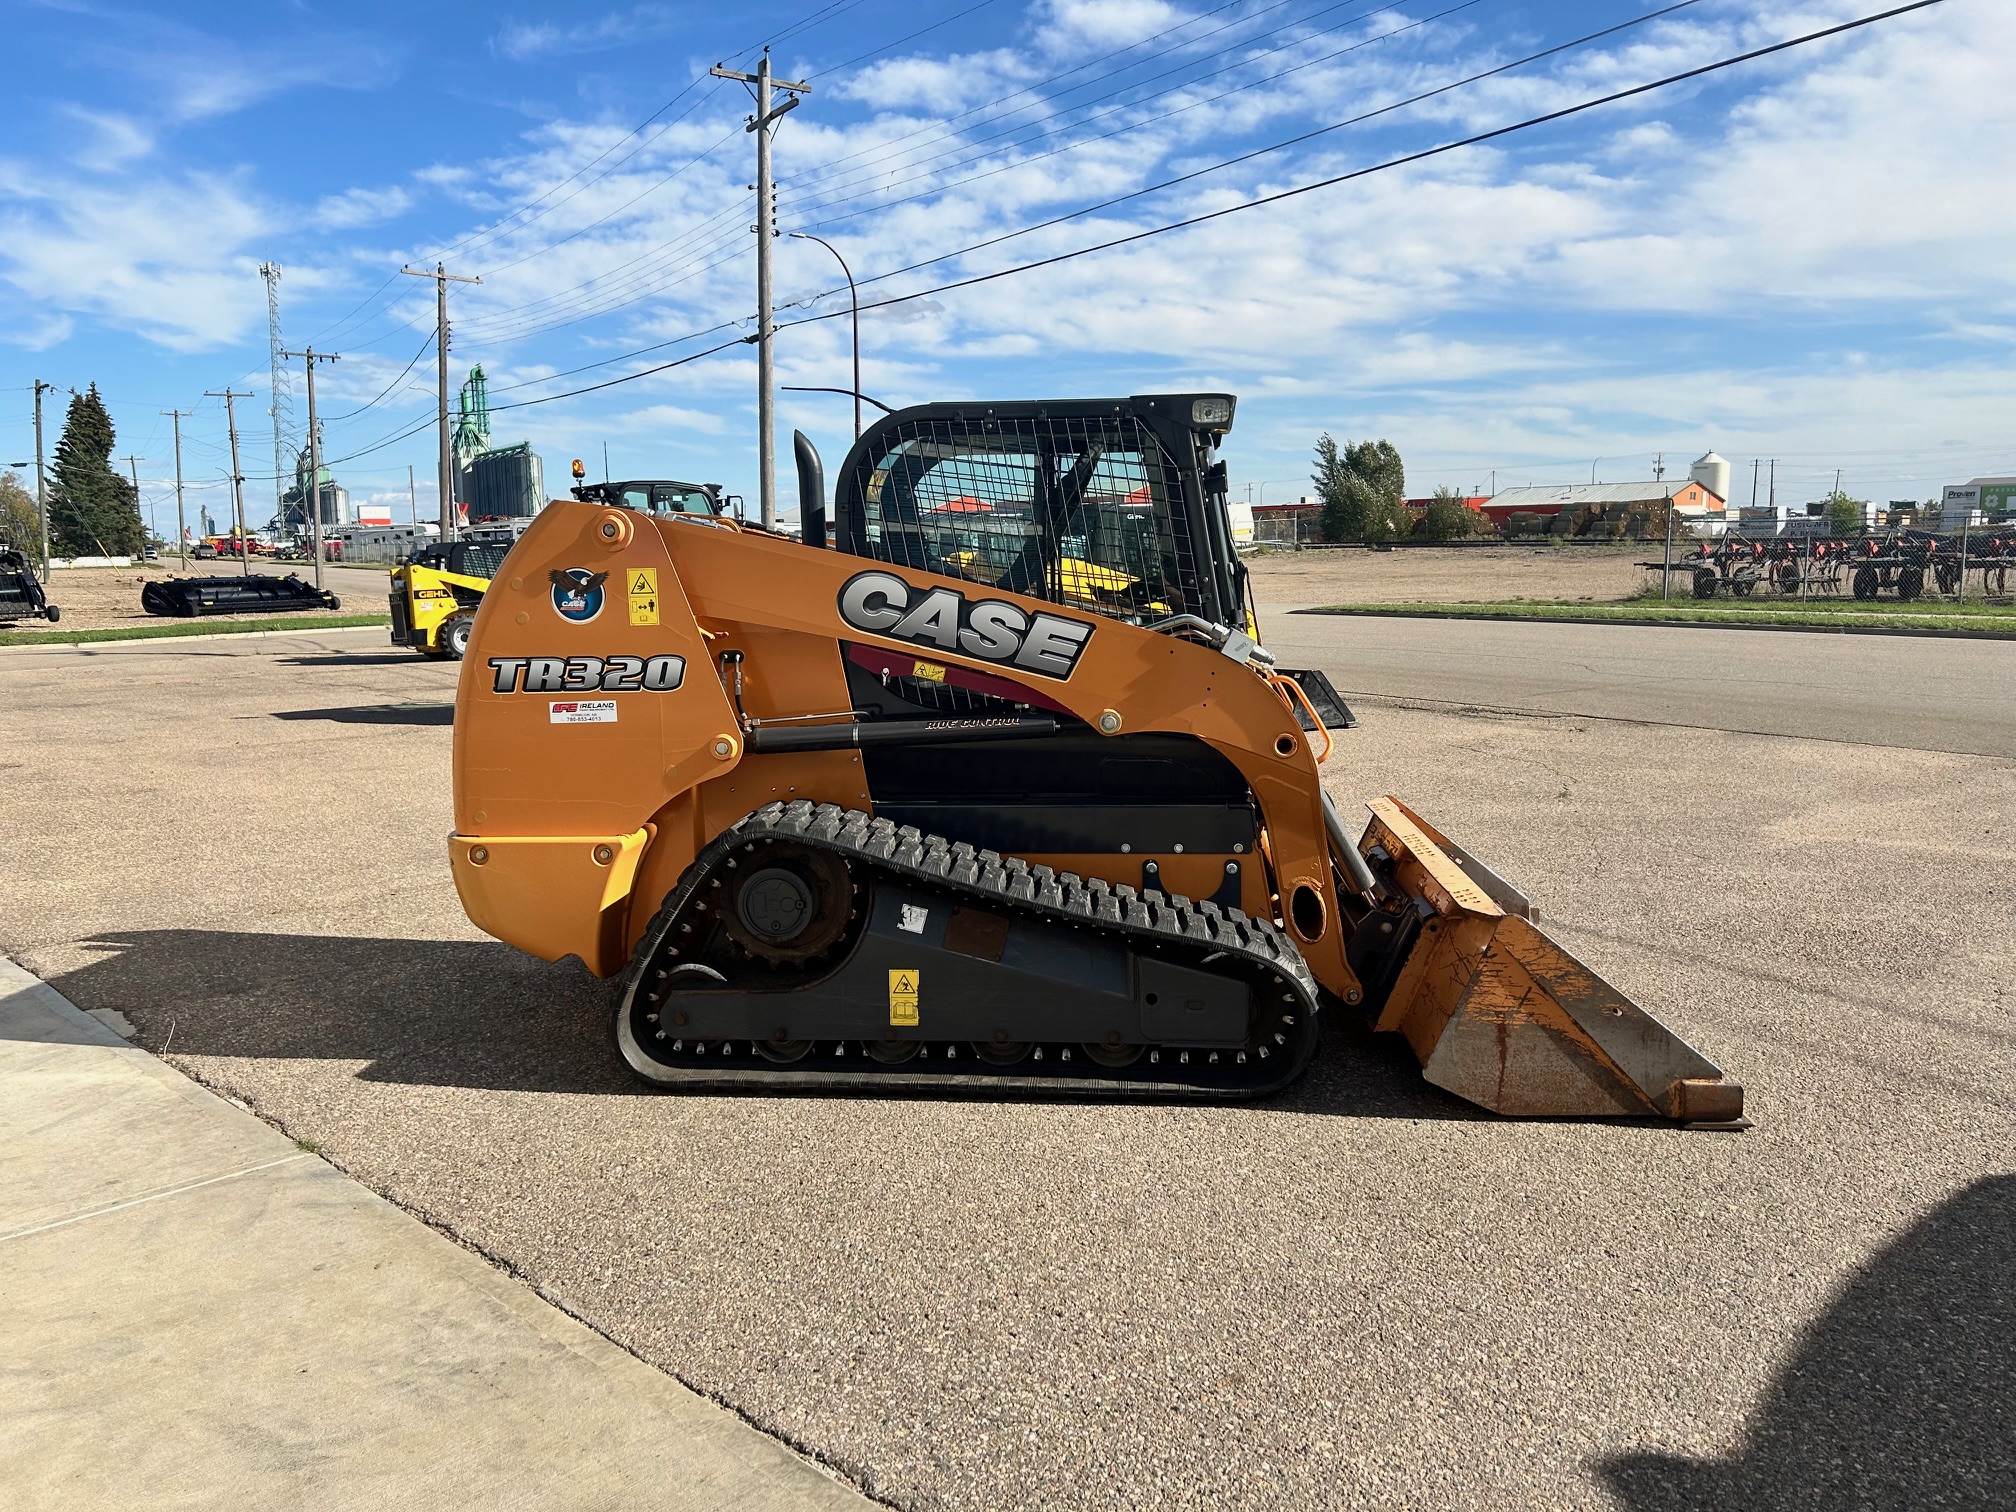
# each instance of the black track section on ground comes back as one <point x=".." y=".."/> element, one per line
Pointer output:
<point x="1198" y="934"/>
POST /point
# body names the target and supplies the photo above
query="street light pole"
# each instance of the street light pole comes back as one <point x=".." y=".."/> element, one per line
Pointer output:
<point x="854" y="302"/>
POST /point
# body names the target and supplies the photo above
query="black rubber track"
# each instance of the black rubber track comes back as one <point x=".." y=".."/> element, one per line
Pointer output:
<point x="1197" y="934"/>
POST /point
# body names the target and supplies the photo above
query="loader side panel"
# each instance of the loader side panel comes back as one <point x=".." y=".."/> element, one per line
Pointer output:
<point x="587" y="701"/>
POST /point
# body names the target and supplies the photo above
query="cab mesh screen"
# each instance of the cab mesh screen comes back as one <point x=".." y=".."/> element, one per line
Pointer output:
<point x="1085" y="511"/>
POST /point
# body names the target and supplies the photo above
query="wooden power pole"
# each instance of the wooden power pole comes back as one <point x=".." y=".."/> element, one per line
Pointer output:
<point x="766" y="232"/>
<point x="442" y="278"/>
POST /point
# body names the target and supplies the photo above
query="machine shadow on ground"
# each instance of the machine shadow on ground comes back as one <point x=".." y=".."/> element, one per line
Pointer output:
<point x="477" y="1014"/>
<point x="362" y="659"/>
<point x="378" y="714"/>
<point x="1902" y="1395"/>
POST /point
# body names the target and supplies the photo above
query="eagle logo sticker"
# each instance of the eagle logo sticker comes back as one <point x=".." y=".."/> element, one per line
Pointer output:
<point x="577" y="593"/>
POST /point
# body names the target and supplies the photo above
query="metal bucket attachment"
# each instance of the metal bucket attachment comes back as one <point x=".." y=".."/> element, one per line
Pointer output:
<point x="248" y="593"/>
<point x="1500" y="1014"/>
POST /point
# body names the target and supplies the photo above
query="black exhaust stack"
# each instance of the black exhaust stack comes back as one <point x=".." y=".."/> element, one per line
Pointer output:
<point x="811" y="491"/>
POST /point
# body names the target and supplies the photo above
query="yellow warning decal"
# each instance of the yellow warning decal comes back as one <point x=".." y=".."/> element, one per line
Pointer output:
<point x="925" y="671"/>
<point x="903" y="999"/>
<point x="643" y="585"/>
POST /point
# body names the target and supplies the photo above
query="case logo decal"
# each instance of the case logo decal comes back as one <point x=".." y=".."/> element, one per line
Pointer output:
<point x="987" y="629"/>
<point x="577" y="593"/>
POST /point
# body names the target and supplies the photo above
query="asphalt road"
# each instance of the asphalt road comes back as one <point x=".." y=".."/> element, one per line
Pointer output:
<point x="1928" y="695"/>
<point x="1360" y="1293"/>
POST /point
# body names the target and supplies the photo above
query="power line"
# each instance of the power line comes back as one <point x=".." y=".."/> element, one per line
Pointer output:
<point x="1390" y="163"/>
<point x="639" y="285"/>
<point x="911" y="37"/>
<point x="336" y="419"/>
<point x="1136" y="125"/>
<point x="817" y="17"/>
<point x="1414" y="157"/>
<point x="1133" y="194"/>
<point x="853" y="190"/>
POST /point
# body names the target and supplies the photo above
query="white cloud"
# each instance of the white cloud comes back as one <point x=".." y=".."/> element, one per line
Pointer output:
<point x="115" y="140"/>
<point x="361" y="207"/>
<point x="1585" y="287"/>
<point x="189" y="74"/>
<point x="522" y="41"/>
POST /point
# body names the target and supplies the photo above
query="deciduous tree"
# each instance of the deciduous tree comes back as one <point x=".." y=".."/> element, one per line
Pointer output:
<point x="1362" y="488"/>
<point x="1447" y="518"/>
<point x="19" y="522"/>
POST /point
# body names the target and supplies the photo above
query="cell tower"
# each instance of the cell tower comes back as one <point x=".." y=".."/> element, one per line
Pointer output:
<point x="283" y="392"/>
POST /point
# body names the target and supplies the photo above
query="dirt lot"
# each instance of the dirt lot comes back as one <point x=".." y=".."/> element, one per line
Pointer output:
<point x="1358" y="575"/>
<point x="1358" y="1294"/>
<point x="108" y="598"/>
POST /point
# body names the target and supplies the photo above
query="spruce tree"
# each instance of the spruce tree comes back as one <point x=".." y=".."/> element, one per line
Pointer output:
<point x="92" y="509"/>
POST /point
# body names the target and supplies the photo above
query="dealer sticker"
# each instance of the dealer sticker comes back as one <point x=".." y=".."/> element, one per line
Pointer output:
<point x="585" y="711"/>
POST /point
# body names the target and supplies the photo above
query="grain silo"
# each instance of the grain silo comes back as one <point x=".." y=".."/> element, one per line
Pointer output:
<point x="1712" y="473"/>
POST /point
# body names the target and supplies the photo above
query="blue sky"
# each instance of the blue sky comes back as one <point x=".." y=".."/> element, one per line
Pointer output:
<point x="1807" y="257"/>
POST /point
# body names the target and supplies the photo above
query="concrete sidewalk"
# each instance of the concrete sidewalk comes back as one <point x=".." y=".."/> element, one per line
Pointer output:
<point x="194" y="1312"/>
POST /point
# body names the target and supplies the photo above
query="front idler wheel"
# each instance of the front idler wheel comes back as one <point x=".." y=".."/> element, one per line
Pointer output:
<point x="788" y="904"/>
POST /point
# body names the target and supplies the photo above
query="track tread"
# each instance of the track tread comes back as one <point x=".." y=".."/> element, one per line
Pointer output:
<point x="991" y="878"/>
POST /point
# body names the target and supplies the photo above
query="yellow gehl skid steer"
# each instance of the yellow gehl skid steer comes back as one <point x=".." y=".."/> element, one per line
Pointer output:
<point x="998" y="790"/>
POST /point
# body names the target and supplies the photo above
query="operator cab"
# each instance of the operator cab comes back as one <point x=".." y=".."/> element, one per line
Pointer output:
<point x="476" y="559"/>
<point x="658" y="496"/>
<point x="1116" y="506"/>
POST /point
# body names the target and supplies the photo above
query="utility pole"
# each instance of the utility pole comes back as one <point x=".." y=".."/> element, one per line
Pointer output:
<point x="1659" y="468"/>
<point x="1755" y="464"/>
<point x="412" y="499"/>
<point x="181" y="529"/>
<point x="442" y="278"/>
<point x="133" y="466"/>
<point x="41" y="489"/>
<point x="314" y="497"/>
<point x="1774" y="488"/>
<point x="766" y="231"/>
<point x="237" y="477"/>
<point x="282" y="408"/>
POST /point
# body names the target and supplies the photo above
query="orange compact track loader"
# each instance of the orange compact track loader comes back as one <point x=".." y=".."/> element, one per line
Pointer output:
<point x="993" y="787"/>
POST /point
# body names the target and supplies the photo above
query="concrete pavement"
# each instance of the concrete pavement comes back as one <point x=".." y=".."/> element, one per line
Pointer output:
<point x="1358" y="1294"/>
<point x="1918" y="693"/>
<point x="198" y="1312"/>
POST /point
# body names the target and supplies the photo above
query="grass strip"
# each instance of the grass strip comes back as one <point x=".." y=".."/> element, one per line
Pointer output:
<point x="1990" y="619"/>
<point x="179" y="628"/>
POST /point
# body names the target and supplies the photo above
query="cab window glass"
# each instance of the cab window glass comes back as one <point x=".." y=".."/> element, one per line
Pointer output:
<point x="1077" y="511"/>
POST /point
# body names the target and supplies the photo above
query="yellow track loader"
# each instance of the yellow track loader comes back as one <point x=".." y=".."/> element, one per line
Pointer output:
<point x="999" y="789"/>
<point x="436" y="592"/>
